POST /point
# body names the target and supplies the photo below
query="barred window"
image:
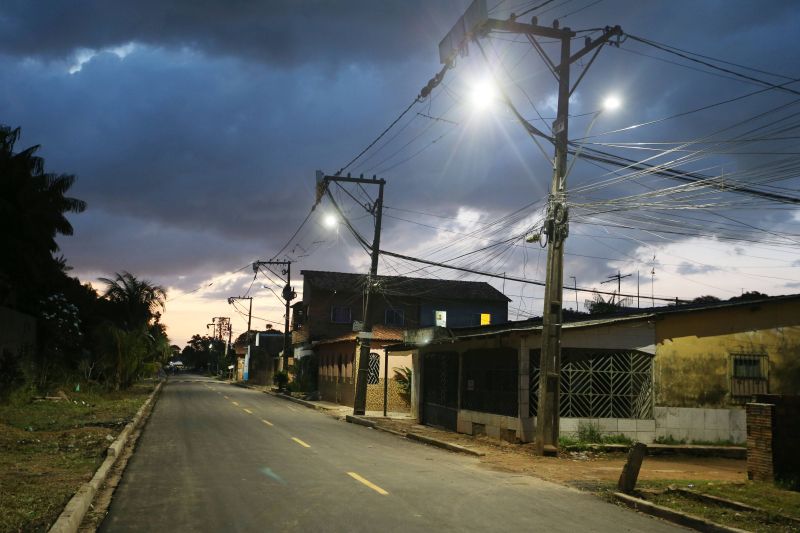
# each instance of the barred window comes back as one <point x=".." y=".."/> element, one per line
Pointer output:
<point x="749" y="375"/>
<point x="373" y="376"/>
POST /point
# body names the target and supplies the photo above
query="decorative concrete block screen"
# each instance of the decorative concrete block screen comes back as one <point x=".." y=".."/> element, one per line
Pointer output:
<point x="600" y="384"/>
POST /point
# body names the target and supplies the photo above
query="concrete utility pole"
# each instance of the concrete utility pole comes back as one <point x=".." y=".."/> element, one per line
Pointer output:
<point x="221" y="325"/>
<point x="365" y="335"/>
<point x="475" y="23"/>
<point x="288" y="295"/>
<point x="249" y="321"/>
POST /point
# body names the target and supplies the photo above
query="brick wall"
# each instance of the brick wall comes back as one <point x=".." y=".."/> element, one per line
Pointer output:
<point x="773" y="437"/>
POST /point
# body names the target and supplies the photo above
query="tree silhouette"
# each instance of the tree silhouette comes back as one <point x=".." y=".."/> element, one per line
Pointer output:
<point x="33" y="205"/>
<point x="136" y="302"/>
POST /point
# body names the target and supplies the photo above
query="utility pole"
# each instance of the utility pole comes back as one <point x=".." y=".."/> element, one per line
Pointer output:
<point x="575" y="281"/>
<point x="232" y="299"/>
<point x="475" y="23"/>
<point x="365" y="335"/>
<point x="221" y="325"/>
<point x="288" y="295"/>
<point x="618" y="276"/>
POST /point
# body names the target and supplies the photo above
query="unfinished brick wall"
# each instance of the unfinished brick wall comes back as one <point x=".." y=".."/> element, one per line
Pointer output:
<point x="773" y="438"/>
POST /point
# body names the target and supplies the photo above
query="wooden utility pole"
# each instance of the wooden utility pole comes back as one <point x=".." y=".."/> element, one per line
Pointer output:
<point x="288" y="295"/>
<point x="365" y="335"/>
<point x="249" y="321"/>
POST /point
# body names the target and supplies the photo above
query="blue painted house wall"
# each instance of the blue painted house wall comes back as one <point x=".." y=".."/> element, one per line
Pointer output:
<point x="461" y="314"/>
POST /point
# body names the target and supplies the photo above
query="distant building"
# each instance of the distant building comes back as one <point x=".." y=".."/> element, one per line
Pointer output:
<point x="325" y="321"/>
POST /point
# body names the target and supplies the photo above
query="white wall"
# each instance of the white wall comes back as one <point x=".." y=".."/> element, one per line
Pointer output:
<point x="699" y="424"/>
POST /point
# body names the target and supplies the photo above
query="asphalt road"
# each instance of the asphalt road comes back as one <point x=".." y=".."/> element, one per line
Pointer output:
<point x="214" y="457"/>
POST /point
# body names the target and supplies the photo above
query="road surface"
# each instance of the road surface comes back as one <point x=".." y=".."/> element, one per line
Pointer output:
<point x="215" y="457"/>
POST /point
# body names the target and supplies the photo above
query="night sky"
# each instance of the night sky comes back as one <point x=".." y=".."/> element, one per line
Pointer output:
<point x="195" y="129"/>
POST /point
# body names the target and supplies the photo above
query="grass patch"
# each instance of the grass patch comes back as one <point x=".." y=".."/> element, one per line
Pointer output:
<point x="590" y="434"/>
<point x="672" y="441"/>
<point x="776" y="502"/>
<point x="48" y="448"/>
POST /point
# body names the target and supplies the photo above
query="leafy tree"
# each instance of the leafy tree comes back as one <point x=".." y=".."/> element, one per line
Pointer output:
<point x="33" y="208"/>
<point x="749" y="295"/>
<point x="707" y="299"/>
<point x="137" y="302"/>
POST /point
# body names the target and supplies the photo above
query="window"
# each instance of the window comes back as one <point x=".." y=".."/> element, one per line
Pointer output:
<point x="340" y="315"/>
<point x="749" y="375"/>
<point x="441" y="318"/>
<point x="373" y="376"/>
<point x="486" y="319"/>
<point x="394" y="317"/>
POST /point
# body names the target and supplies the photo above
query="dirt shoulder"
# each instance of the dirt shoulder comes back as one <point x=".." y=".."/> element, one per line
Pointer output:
<point x="580" y="469"/>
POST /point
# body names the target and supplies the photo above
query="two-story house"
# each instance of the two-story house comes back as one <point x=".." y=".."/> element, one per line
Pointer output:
<point x="323" y="325"/>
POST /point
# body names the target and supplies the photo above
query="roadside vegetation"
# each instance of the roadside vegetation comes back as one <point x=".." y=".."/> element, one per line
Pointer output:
<point x="72" y="358"/>
<point x="589" y="434"/>
<point x="778" y="509"/>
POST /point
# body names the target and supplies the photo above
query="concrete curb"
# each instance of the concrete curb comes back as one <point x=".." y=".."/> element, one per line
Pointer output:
<point x="71" y="517"/>
<point x="360" y="421"/>
<point x="683" y="519"/>
<point x="443" y="444"/>
<point x="413" y="436"/>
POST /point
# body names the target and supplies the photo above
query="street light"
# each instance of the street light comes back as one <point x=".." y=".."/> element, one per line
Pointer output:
<point x="483" y="95"/>
<point x="611" y="103"/>
<point x="330" y="221"/>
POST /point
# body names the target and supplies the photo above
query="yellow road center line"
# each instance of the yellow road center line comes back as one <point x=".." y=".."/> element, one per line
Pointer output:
<point x="301" y="443"/>
<point x="248" y="411"/>
<point x="368" y="483"/>
<point x="235" y="403"/>
<point x="267" y="422"/>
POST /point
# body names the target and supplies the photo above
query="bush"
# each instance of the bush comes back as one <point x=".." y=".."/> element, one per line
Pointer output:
<point x="281" y="378"/>
<point x="588" y="432"/>
<point x="403" y="378"/>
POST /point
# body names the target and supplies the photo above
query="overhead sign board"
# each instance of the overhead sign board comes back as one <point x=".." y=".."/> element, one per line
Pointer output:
<point x="457" y="39"/>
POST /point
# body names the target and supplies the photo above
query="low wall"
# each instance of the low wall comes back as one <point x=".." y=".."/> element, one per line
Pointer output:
<point x="635" y="429"/>
<point x="699" y="424"/>
<point x="398" y="402"/>
<point x="507" y="428"/>
<point x="337" y="390"/>
<point x="773" y="436"/>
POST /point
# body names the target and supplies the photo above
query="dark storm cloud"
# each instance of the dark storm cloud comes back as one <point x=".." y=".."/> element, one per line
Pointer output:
<point x="286" y="33"/>
<point x="196" y="152"/>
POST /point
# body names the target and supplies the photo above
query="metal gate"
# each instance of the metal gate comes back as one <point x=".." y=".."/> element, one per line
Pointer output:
<point x="440" y="389"/>
<point x="600" y="384"/>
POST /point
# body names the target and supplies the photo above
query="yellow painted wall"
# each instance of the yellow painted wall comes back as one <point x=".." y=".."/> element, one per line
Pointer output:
<point x="692" y="363"/>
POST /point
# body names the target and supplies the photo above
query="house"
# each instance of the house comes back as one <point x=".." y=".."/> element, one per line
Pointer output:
<point x="681" y="372"/>
<point x="325" y="321"/>
<point x="263" y="353"/>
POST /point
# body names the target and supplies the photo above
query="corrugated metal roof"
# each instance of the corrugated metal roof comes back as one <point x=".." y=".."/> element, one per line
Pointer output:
<point x="441" y="289"/>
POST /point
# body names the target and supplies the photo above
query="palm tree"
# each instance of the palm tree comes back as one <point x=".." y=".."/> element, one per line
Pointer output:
<point x="33" y="205"/>
<point x="138" y="302"/>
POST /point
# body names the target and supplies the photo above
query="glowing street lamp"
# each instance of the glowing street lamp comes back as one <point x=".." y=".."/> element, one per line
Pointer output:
<point x="330" y="221"/>
<point x="611" y="103"/>
<point x="483" y="95"/>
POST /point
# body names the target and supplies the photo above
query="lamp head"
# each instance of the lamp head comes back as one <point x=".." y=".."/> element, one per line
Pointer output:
<point x="612" y="103"/>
